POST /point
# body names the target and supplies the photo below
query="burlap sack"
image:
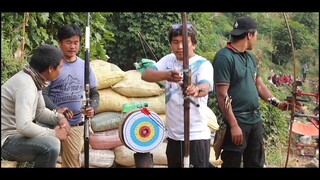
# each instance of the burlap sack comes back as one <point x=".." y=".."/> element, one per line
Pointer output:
<point x="133" y="86"/>
<point x="8" y="164"/>
<point x="125" y="156"/>
<point x="106" y="121"/>
<point x="107" y="74"/>
<point x="99" y="158"/>
<point x="111" y="101"/>
<point x="105" y="140"/>
<point x="155" y="103"/>
<point x="212" y="120"/>
<point x="163" y="117"/>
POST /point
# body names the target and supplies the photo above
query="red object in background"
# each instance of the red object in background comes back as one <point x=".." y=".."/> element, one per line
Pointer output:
<point x="316" y="95"/>
<point x="305" y="129"/>
<point x="316" y="122"/>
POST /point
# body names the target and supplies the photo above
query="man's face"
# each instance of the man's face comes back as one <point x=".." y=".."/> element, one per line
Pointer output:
<point x="252" y="40"/>
<point x="70" y="47"/>
<point x="177" y="47"/>
<point x="54" y="73"/>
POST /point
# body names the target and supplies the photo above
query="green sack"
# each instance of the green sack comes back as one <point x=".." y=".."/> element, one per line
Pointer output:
<point x="143" y="65"/>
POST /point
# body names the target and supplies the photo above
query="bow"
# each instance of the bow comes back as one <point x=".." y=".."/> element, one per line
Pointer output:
<point x="294" y="94"/>
<point x="293" y="99"/>
<point x="87" y="93"/>
<point x="186" y="83"/>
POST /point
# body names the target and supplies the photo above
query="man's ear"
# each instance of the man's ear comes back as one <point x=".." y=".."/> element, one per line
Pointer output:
<point x="249" y="35"/>
<point x="50" y="69"/>
<point x="59" y="43"/>
<point x="194" y="46"/>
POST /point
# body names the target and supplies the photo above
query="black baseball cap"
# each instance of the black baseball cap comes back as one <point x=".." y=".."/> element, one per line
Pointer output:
<point x="243" y="25"/>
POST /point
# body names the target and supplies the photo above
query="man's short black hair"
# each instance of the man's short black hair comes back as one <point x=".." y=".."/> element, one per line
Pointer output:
<point x="67" y="31"/>
<point x="176" y="30"/>
<point x="44" y="57"/>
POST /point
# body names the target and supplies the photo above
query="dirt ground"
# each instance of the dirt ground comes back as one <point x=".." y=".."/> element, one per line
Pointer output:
<point x="298" y="161"/>
<point x="304" y="156"/>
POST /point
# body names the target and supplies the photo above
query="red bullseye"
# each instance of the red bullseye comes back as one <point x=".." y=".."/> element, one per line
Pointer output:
<point x="144" y="131"/>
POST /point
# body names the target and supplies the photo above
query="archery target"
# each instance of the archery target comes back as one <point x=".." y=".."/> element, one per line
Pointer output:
<point x="142" y="133"/>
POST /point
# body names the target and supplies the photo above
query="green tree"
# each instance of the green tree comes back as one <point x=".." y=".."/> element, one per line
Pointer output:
<point x="153" y="27"/>
<point x="9" y="66"/>
<point x="21" y="32"/>
<point x="128" y="47"/>
<point x="41" y="28"/>
<point x="308" y="19"/>
<point x="282" y="44"/>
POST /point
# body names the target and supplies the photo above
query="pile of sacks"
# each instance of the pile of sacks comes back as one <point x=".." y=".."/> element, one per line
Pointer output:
<point x="117" y="87"/>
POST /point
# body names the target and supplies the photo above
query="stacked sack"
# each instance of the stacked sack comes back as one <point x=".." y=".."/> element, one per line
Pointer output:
<point x="116" y="88"/>
<point x="105" y="123"/>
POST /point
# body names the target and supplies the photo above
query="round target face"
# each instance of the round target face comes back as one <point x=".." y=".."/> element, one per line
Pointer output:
<point x="142" y="133"/>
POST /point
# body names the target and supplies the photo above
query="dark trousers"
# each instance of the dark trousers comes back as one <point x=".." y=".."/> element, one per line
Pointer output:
<point x="198" y="157"/>
<point x="251" y="152"/>
<point x="304" y="76"/>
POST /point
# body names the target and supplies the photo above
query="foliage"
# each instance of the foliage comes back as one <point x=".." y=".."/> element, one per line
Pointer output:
<point x="307" y="54"/>
<point x="274" y="123"/>
<point x="267" y="22"/>
<point x="283" y="47"/>
<point x="205" y="36"/>
<point x="128" y="48"/>
<point x="234" y="15"/>
<point x="310" y="20"/>
<point x="41" y="28"/>
<point x="274" y="152"/>
<point x="221" y="26"/>
<point x="9" y="65"/>
<point x="213" y="105"/>
<point x="9" y="27"/>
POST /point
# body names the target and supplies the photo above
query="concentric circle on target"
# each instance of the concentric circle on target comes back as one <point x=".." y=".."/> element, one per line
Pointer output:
<point x="142" y="133"/>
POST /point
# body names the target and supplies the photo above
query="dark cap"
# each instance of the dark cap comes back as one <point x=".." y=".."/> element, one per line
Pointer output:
<point x="243" y="25"/>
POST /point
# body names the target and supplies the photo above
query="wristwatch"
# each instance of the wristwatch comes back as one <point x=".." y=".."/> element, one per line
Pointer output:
<point x="58" y="115"/>
<point x="274" y="101"/>
<point x="55" y="112"/>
